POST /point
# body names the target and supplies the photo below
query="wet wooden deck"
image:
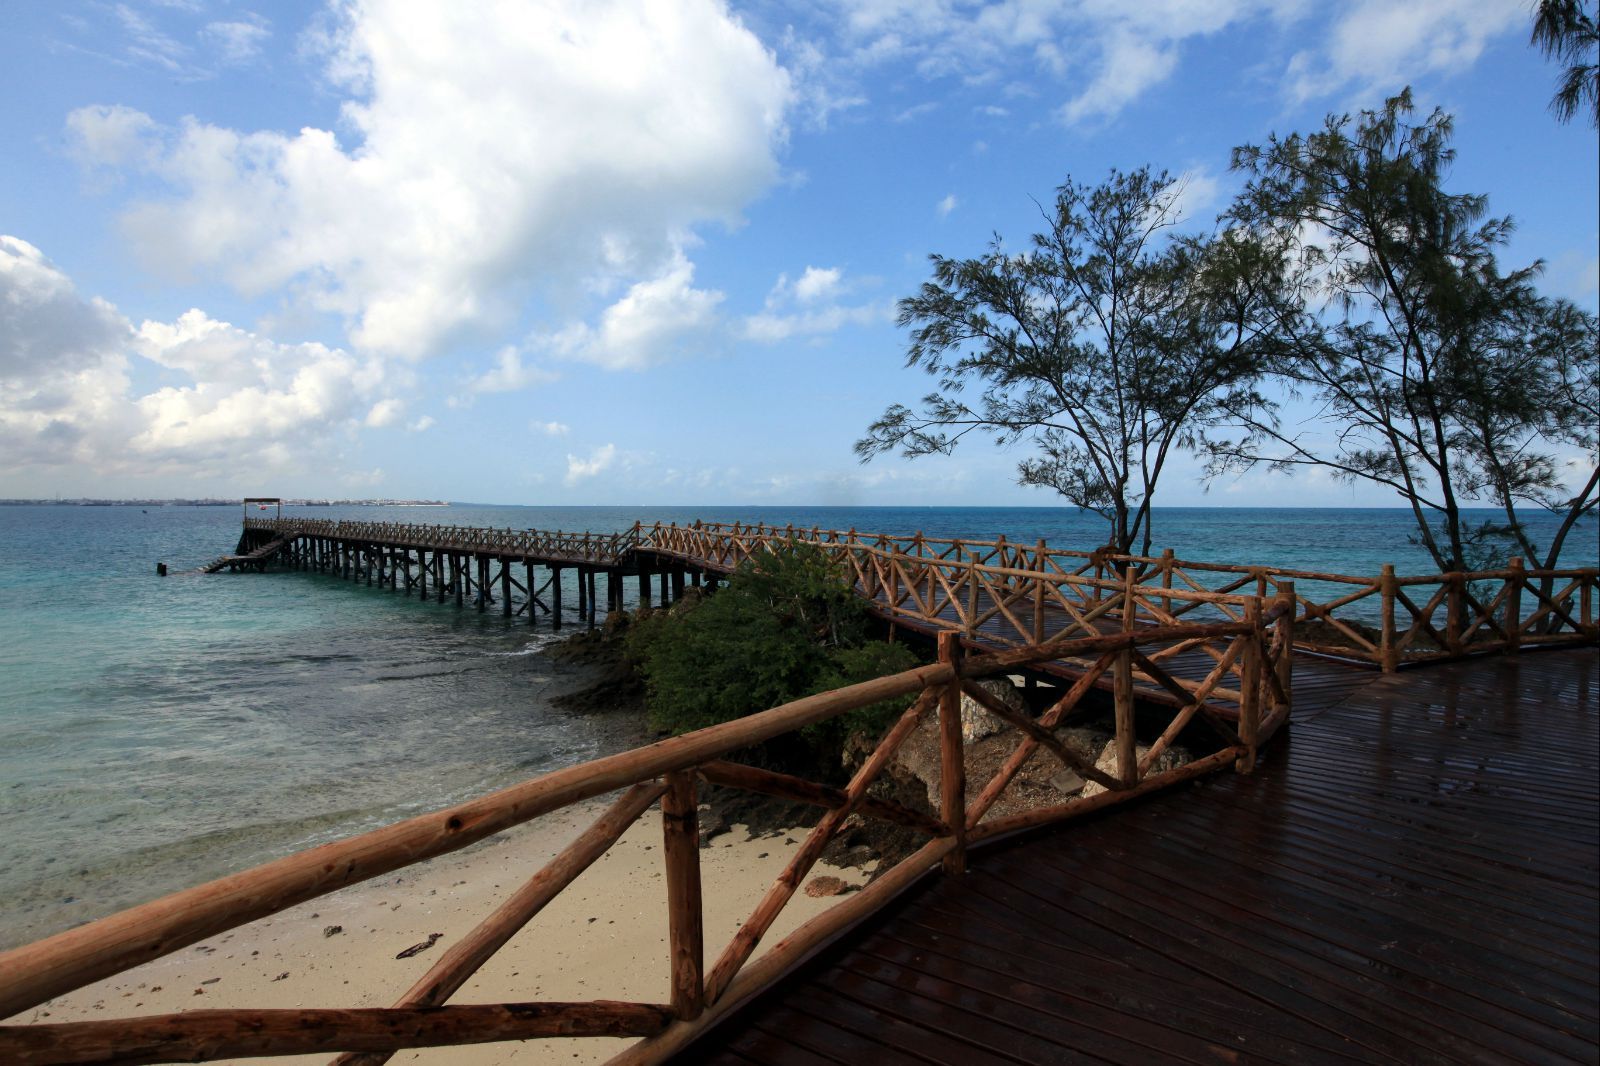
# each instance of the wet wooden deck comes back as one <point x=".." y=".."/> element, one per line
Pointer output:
<point x="1412" y="875"/>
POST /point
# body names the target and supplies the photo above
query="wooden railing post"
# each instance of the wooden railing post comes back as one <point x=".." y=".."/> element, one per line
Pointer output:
<point x="1250" y="686"/>
<point x="952" y="758"/>
<point x="681" y="839"/>
<point x="1122" y="695"/>
<point x="971" y="620"/>
<point x="1284" y="667"/>
<point x="1513" y="622"/>
<point x="1168" y="561"/>
<point x="1455" y="603"/>
<point x="1388" y="653"/>
<point x="1038" y="592"/>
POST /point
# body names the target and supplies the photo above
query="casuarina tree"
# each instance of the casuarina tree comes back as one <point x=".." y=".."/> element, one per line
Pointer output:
<point x="1107" y="345"/>
<point x="1439" y="375"/>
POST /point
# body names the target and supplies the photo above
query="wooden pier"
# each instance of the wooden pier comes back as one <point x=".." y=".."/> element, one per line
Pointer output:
<point x="1411" y="877"/>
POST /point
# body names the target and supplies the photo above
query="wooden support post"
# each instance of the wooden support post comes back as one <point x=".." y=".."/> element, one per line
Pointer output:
<point x="1513" y="616"/>
<point x="483" y="583"/>
<point x="505" y="587"/>
<point x="440" y="562"/>
<point x="644" y="589"/>
<point x="677" y="584"/>
<point x="528" y="573"/>
<point x="613" y="594"/>
<point x="1250" y="687"/>
<point x="1388" y="653"/>
<point x="1122" y="696"/>
<point x="663" y="582"/>
<point x="952" y="758"/>
<point x="555" y="596"/>
<point x="583" y="594"/>
<point x="694" y="576"/>
<point x="681" y="844"/>
<point x="422" y="574"/>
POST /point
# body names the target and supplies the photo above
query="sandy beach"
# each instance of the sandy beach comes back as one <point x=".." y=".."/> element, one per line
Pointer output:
<point x="605" y="937"/>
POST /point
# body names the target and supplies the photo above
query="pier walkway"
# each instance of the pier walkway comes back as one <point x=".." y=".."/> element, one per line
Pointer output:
<point x="1410" y="876"/>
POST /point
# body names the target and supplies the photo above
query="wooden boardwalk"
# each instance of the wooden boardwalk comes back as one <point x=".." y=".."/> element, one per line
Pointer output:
<point x="1411" y="875"/>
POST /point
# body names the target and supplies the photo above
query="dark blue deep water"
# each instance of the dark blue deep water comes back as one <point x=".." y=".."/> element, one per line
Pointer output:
<point x="158" y="732"/>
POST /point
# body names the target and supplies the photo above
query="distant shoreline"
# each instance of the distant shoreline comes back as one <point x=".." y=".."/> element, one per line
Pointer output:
<point x="86" y="502"/>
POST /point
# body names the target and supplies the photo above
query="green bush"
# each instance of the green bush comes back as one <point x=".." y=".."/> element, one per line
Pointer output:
<point x="787" y="625"/>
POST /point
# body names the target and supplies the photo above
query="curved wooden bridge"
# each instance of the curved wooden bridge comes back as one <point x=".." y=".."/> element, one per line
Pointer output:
<point x="1413" y="877"/>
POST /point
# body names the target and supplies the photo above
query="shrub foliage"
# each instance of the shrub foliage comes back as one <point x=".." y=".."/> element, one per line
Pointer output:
<point x="786" y="625"/>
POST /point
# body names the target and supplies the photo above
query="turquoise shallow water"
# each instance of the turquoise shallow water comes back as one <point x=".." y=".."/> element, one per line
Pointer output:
<point x="158" y="732"/>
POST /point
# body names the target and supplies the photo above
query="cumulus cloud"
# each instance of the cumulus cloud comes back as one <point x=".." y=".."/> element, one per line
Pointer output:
<point x="579" y="469"/>
<point x="421" y="425"/>
<point x="248" y="391"/>
<point x="551" y="429"/>
<point x="63" y="362"/>
<point x="67" y="398"/>
<point x="947" y="205"/>
<point x="559" y="147"/>
<point x="655" y="320"/>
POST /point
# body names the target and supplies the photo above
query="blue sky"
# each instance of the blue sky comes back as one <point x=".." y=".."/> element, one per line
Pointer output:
<point x="622" y="253"/>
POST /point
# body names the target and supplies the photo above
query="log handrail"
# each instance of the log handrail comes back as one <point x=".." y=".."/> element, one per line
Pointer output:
<point x="662" y="773"/>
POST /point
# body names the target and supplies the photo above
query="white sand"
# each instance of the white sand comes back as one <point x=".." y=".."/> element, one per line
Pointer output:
<point x="605" y="937"/>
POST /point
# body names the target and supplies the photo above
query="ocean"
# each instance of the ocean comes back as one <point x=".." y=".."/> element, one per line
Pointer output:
<point x="156" y="732"/>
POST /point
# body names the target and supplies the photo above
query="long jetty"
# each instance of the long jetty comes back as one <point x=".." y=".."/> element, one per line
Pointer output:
<point x="994" y="593"/>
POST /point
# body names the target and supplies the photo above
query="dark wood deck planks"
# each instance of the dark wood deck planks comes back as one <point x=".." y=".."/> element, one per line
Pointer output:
<point x="1412" y="875"/>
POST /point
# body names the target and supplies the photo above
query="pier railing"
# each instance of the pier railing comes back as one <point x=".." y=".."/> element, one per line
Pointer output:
<point x="1384" y="619"/>
<point x="1256" y="653"/>
<point x="599" y="549"/>
<point x="1013" y="594"/>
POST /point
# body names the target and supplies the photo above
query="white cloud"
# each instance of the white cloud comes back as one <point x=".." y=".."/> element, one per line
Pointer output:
<point x="147" y="43"/>
<point x="580" y="469"/>
<point x="247" y="391"/>
<point x="67" y="399"/>
<point x="1378" y="46"/>
<point x="492" y="151"/>
<point x="63" y="368"/>
<point x="551" y="429"/>
<point x="655" y="320"/>
<point x="238" y="41"/>
<point x="816" y="283"/>
<point x="809" y="307"/>
<point x="385" y="412"/>
<point x="947" y="205"/>
<point x="1197" y="192"/>
<point x="510" y="374"/>
<point x="421" y="425"/>
<point x="111" y="136"/>
<point x="1103" y="55"/>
